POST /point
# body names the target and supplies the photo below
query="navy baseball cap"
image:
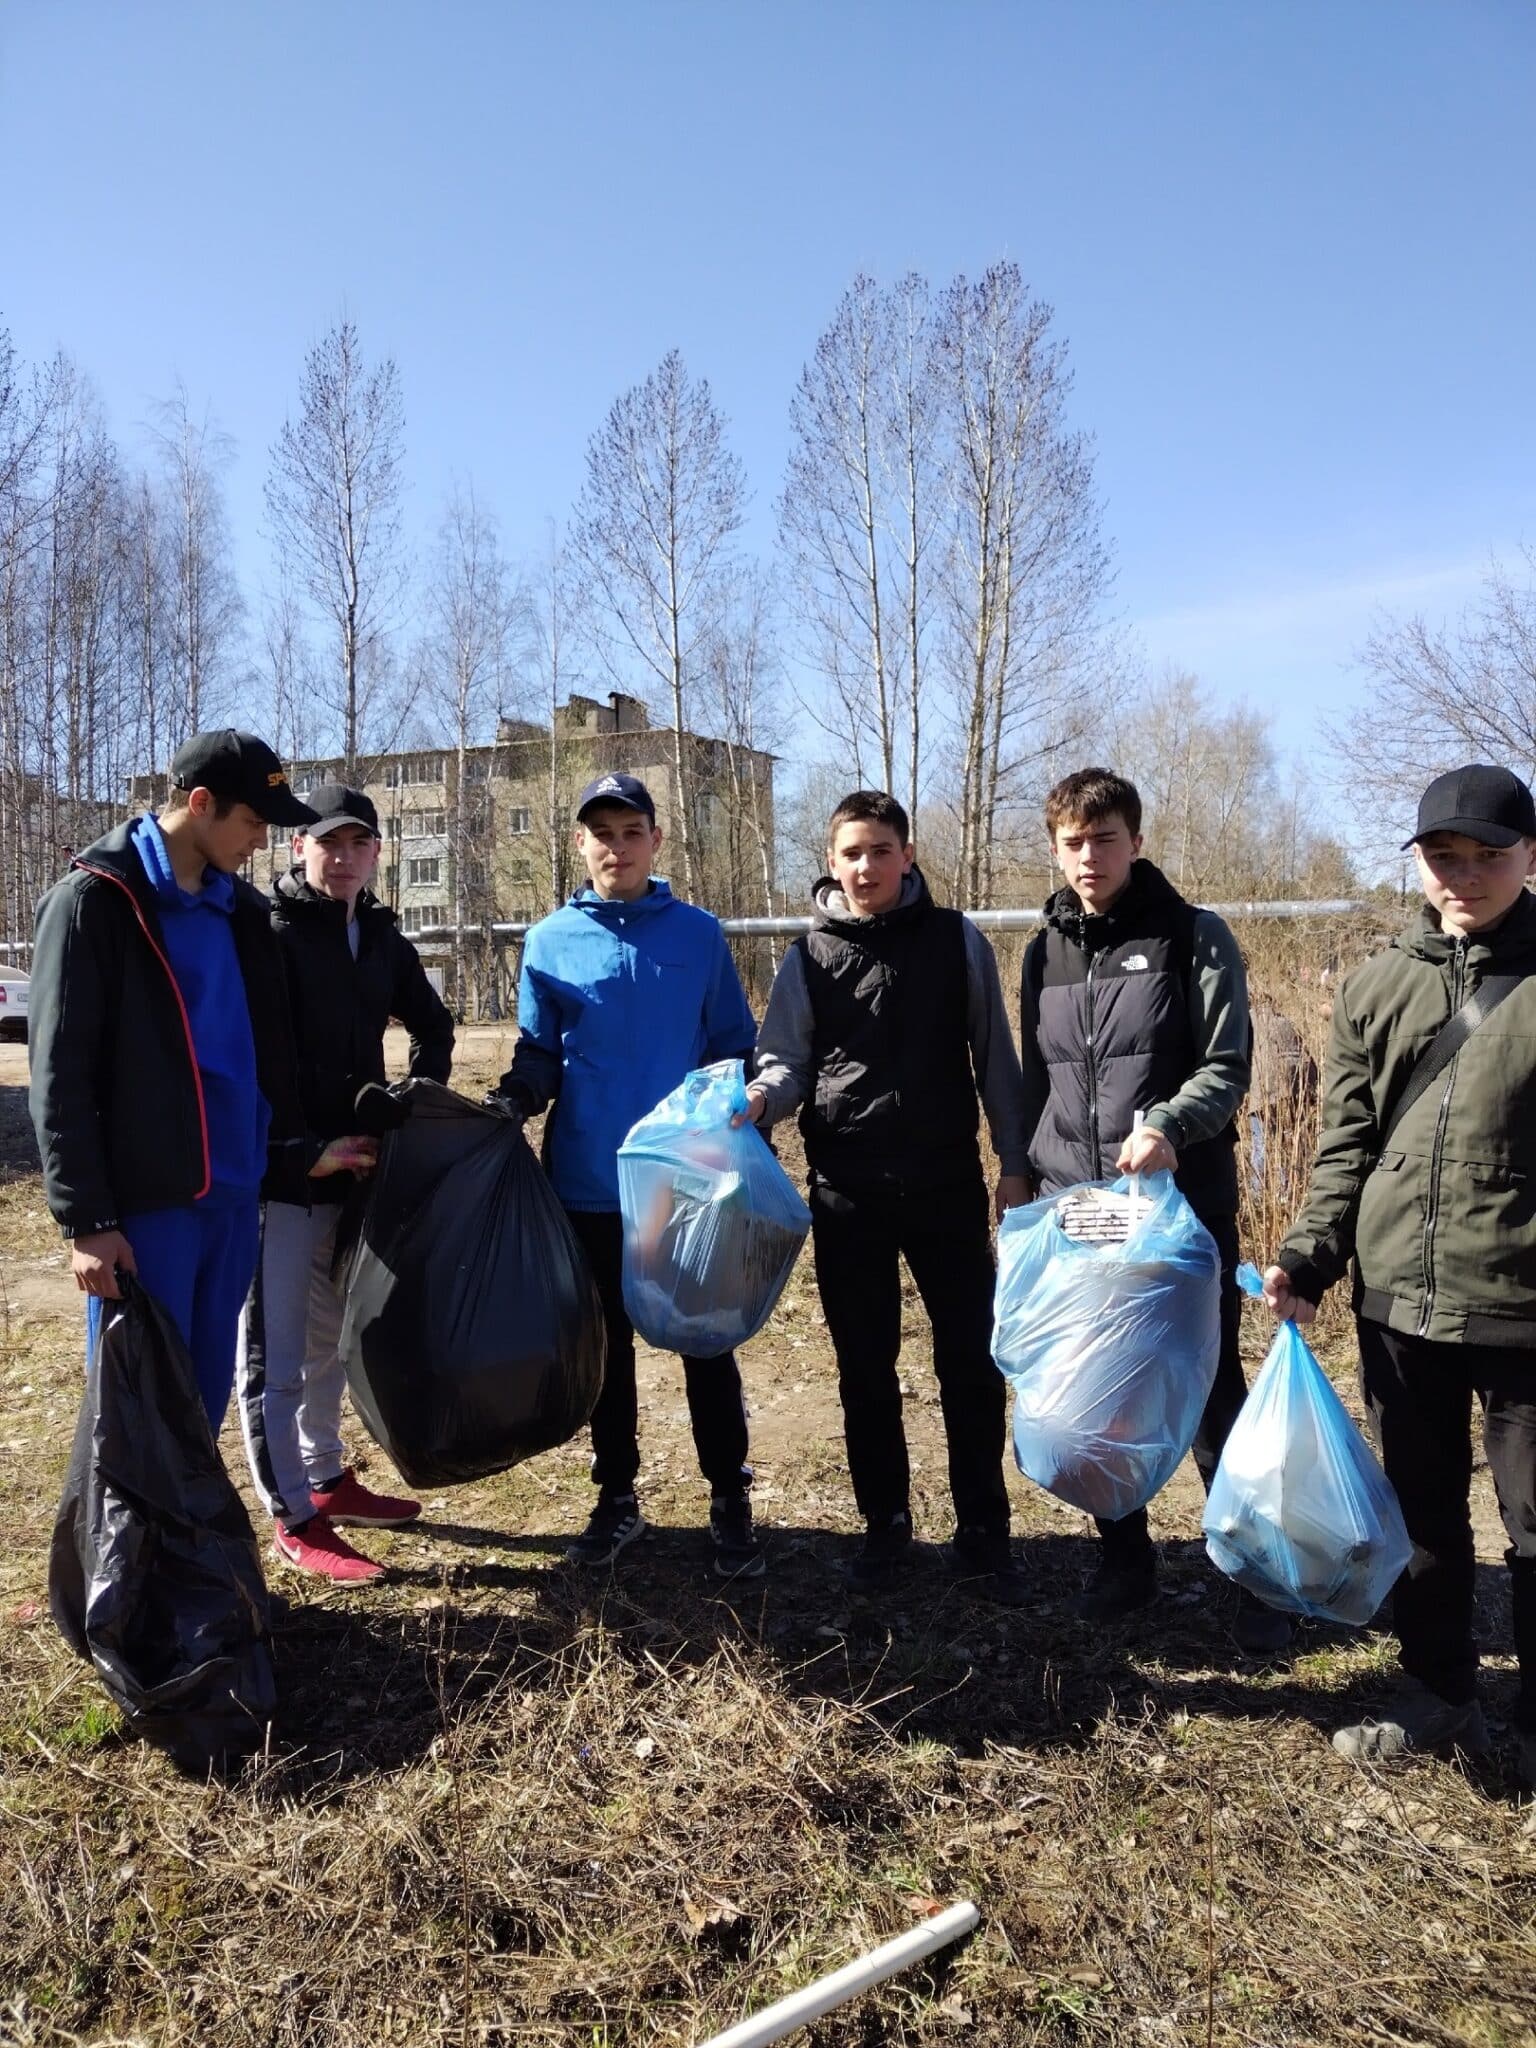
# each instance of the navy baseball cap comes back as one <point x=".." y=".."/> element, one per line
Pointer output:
<point x="626" y="790"/>
<point x="240" y="769"/>
<point x="334" y="804"/>
<point x="1491" y="805"/>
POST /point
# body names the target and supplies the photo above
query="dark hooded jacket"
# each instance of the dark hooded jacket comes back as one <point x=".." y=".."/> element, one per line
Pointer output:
<point x="340" y="1010"/>
<point x="116" y="1095"/>
<point x="1144" y="1007"/>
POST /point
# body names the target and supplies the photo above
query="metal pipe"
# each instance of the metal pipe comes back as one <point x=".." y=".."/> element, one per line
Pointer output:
<point x="787" y="2015"/>
<point x="984" y="920"/>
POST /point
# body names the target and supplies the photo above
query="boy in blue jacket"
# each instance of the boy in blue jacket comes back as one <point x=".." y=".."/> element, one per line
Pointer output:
<point x="623" y="992"/>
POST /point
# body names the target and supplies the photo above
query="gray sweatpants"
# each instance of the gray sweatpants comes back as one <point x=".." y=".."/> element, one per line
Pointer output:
<point x="288" y="1374"/>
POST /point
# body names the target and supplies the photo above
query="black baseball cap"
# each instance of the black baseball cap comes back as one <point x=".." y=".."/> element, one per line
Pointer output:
<point x="243" y="770"/>
<point x="627" y="790"/>
<point x="334" y="804"/>
<point x="1491" y="805"/>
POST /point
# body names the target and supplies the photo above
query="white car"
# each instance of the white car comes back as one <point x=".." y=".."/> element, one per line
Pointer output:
<point x="13" y="1003"/>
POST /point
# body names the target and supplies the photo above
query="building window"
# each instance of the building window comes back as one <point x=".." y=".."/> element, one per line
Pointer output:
<point x="425" y="824"/>
<point x="408" y="768"/>
<point x="519" y="820"/>
<point x="477" y="767"/>
<point x="423" y="917"/>
<point x="419" y="871"/>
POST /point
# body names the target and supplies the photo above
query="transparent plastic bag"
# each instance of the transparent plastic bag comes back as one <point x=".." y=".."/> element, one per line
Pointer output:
<point x="1300" y="1512"/>
<point x="1111" y="1346"/>
<point x="712" y="1222"/>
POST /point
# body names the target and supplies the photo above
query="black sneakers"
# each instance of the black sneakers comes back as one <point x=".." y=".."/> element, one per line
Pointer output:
<point x="1118" y="1588"/>
<point x="737" y="1553"/>
<point x="983" y="1563"/>
<point x="616" y="1520"/>
<point x="887" y="1550"/>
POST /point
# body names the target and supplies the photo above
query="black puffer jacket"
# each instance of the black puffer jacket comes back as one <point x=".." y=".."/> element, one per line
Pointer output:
<point x="1144" y="1007"/>
<point x="115" y="1095"/>
<point x="341" y="1008"/>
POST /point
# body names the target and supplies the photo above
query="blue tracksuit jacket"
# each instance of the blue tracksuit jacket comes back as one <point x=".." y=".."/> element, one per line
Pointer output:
<point x="627" y="998"/>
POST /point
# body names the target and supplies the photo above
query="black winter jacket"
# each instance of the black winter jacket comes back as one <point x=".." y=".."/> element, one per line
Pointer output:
<point x="894" y="1092"/>
<point x="340" y="1010"/>
<point x="1144" y="1007"/>
<point x="116" y="1097"/>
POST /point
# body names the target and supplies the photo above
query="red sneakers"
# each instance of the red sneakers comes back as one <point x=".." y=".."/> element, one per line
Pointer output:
<point x="319" y="1549"/>
<point x="349" y="1505"/>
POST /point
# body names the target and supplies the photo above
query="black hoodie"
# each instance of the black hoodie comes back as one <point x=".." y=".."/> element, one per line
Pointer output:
<point x="341" y="1007"/>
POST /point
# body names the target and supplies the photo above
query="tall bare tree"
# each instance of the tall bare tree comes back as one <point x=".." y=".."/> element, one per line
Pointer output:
<point x="206" y="606"/>
<point x="855" y="519"/>
<point x="746" y="700"/>
<point x="474" y="610"/>
<point x="662" y="498"/>
<point x="558" y="629"/>
<point x="333" y="502"/>
<point x="1026" y="569"/>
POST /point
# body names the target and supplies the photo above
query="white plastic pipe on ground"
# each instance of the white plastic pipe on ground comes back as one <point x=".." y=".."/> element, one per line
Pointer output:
<point x="801" y="2007"/>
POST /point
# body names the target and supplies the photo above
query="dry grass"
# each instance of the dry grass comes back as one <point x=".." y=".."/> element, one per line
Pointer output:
<point x="503" y="1803"/>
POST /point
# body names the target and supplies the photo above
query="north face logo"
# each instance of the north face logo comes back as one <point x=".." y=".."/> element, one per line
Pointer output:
<point x="1135" y="963"/>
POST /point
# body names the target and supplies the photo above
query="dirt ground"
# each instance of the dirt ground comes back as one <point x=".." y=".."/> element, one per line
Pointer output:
<point x="508" y="1802"/>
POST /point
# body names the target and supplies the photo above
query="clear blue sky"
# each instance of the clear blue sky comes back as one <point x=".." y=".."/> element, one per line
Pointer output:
<point x="1290" y="244"/>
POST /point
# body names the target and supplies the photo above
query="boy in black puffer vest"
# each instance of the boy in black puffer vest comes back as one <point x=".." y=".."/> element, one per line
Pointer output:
<point x="885" y="1022"/>
<point x="349" y="970"/>
<point x="1134" y="1000"/>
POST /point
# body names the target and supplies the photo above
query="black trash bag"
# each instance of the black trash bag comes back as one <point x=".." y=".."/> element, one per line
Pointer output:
<point x="473" y="1336"/>
<point x="154" y="1576"/>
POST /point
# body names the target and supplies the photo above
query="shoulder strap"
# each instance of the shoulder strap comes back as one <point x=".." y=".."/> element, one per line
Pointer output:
<point x="1448" y="1041"/>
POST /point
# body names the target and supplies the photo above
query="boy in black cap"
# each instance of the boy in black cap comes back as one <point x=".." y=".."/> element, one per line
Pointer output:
<point x="162" y="1061"/>
<point x="1423" y="1179"/>
<point x="349" y="970"/>
<point x="624" y="991"/>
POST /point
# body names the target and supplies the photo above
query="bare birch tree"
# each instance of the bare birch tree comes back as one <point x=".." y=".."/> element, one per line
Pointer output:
<point x="205" y="603"/>
<point x="1026" y="569"/>
<point x="855" y="519"/>
<point x="474" y="609"/>
<point x="746" y="699"/>
<point x="333" y="502"/>
<point x="558" y="622"/>
<point x="662" y="499"/>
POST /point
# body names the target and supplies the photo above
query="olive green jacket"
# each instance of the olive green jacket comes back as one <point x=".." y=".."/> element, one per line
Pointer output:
<point x="1441" y="1224"/>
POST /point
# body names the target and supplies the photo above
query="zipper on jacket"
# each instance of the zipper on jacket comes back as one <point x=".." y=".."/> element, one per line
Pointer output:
<point x="1432" y="1206"/>
<point x="1091" y="1071"/>
<point x="102" y="875"/>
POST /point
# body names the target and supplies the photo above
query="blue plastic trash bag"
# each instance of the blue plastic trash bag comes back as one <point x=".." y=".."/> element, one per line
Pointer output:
<point x="1299" y="1511"/>
<point x="712" y="1222"/>
<point x="1110" y="1338"/>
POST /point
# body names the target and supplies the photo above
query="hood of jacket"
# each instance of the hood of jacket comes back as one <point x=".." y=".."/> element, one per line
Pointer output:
<point x="1147" y="889"/>
<point x="115" y="854"/>
<point x="830" y="909"/>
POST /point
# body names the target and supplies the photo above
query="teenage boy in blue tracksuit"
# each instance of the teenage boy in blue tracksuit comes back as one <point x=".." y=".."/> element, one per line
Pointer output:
<point x="163" y="1077"/>
<point x="623" y="992"/>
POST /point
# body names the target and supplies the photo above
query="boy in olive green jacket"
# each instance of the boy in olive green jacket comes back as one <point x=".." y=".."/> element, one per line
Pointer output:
<point x="1436" y="1204"/>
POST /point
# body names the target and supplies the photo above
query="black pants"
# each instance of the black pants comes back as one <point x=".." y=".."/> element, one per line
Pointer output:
<point x="715" y="1406"/>
<point x="1420" y="1400"/>
<point x="945" y="1236"/>
<point x="1129" y="1542"/>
